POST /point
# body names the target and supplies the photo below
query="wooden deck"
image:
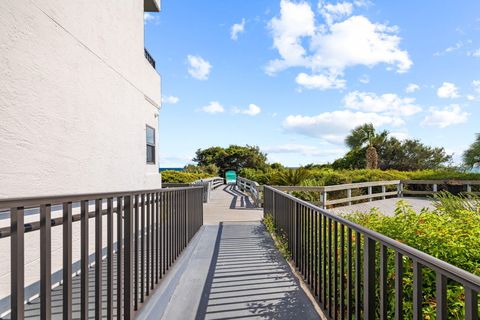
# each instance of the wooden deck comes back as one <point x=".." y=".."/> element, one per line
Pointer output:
<point x="236" y="272"/>
<point x="233" y="270"/>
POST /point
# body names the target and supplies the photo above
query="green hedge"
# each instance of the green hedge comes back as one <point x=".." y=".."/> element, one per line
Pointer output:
<point x="171" y="176"/>
<point x="451" y="233"/>
<point x="327" y="176"/>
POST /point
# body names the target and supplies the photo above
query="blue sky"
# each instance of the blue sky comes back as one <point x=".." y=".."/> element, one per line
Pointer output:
<point x="294" y="77"/>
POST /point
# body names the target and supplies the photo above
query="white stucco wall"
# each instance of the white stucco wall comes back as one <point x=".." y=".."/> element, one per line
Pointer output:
<point x="76" y="95"/>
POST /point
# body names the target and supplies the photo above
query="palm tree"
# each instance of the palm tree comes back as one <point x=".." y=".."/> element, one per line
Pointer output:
<point x="366" y="136"/>
<point x="292" y="177"/>
<point x="471" y="156"/>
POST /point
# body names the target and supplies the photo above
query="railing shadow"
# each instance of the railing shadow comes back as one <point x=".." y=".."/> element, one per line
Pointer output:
<point x="249" y="279"/>
<point x="245" y="202"/>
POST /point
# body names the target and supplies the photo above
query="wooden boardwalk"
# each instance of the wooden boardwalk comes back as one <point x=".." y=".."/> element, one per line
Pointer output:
<point x="236" y="272"/>
<point x="233" y="269"/>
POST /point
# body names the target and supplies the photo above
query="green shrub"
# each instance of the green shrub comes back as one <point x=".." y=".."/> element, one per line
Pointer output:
<point x="171" y="176"/>
<point x="328" y="176"/>
<point x="450" y="232"/>
<point x="281" y="241"/>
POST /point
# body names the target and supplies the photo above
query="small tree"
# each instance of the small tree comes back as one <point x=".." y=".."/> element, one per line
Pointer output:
<point x="471" y="156"/>
<point x="366" y="136"/>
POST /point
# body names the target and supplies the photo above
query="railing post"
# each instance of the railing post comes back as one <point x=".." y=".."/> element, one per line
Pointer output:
<point x="17" y="258"/>
<point x="128" y="280"/>
<point x="370" y="193"/>
<point x="469" y="188"/>
<point x="349" y="196"/>
<point x="384" y="189"/>
<point x="45" y="262"/>
<point x="369" y="278"/>
<point x="435" y="188"/>
<point x="323" y="199"/>
<point x="400" y="189"/>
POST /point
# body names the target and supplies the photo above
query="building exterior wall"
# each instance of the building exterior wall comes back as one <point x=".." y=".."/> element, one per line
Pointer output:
<point x="76" y="94"/>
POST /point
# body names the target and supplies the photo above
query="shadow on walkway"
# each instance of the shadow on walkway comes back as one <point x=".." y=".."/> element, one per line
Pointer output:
<point x="248" y="279"/>
<point x="245" y="202"/>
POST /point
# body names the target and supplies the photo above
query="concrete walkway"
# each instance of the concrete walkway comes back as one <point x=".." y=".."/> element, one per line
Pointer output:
<point x="235" y="271"/>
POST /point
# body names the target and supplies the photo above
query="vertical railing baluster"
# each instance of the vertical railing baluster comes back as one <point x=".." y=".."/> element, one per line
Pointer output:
<point x="110" y="252"/>
<point x="308" y="270"/>
<point x="342" y="271"/>
<point x="417" y="290"/>
<point x="157" y="236"/>
<point x="147" y="240"/>
<point x="471" y="304"/>
<point x="325" y="284"/>
<point x="349" y="274"/>
<point x="441" y="295"/>
<point x="128" y="278"/>
<point x="358" y="275"/>
<point x="119" y="258"/>
<point x="67" y="261"/>
<point x="17" y="258"/>
<point x="152" y="239"/>
<point x="335" y="269"/>
<point x="98" y="258"/>
<point x="398" y="286"/>
<point x="383" y="282"/>
<point x="320" y="257"/>
<point x="142" y="248"/>
<point x="84" y="263"/>
<point x="164" y="229"/>
<point x="45" y="262"/>
<point x="315" y="254"/>
<point x="330" y="269"/>
<point x="137" y="253"/>
<point x="369" y="278"/>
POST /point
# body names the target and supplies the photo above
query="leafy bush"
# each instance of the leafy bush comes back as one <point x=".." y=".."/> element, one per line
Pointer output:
<point x="328" y="176"/>
<point x="279" y="237"/>
<point x="171" y="176"/>
<point x="450" y="232"/>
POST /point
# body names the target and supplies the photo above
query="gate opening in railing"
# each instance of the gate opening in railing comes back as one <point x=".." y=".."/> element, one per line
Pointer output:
<point x="354" y="272"/>
<point x="144" y="233"/>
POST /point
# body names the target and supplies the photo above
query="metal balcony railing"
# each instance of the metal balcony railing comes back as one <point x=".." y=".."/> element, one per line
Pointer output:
<point x="345" y="266"/>
<point x="149" y="58"/>
<point x="146" y="232"/>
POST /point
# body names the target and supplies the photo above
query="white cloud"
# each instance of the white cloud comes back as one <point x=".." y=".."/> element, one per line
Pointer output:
<point x="302" y="149"/>
<point x="455" y="47"/>
<point x="476" y="85"/>
<point x="198" y="67"/>
<point x="236" y="29"/>
<point x="296" y="21"/>
<point x="148" y="17"/>
<point x="442" y="118"/>
<point x="321" y="82"/>
<point x="400" y="135"/>
<point x="334" y="46"/>
<point x="470" y="97"/>
<point x="252" y="110"/>
<point x="213" y="107"/>
<point x="364" y="79"/>
<point x="412" y="87"/>
<point x="387" y="104"/>
<point x="334" y="126"/>
<point x="448" y="90"/>
<point x="170" y="99"/>
<point x="333" y="12"/>
<point x="475" y="53"/>
<point x="357" y="41"/>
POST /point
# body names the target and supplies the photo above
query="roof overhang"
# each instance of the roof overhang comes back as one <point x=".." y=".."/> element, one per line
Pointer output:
<point x="151" y="5"/>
